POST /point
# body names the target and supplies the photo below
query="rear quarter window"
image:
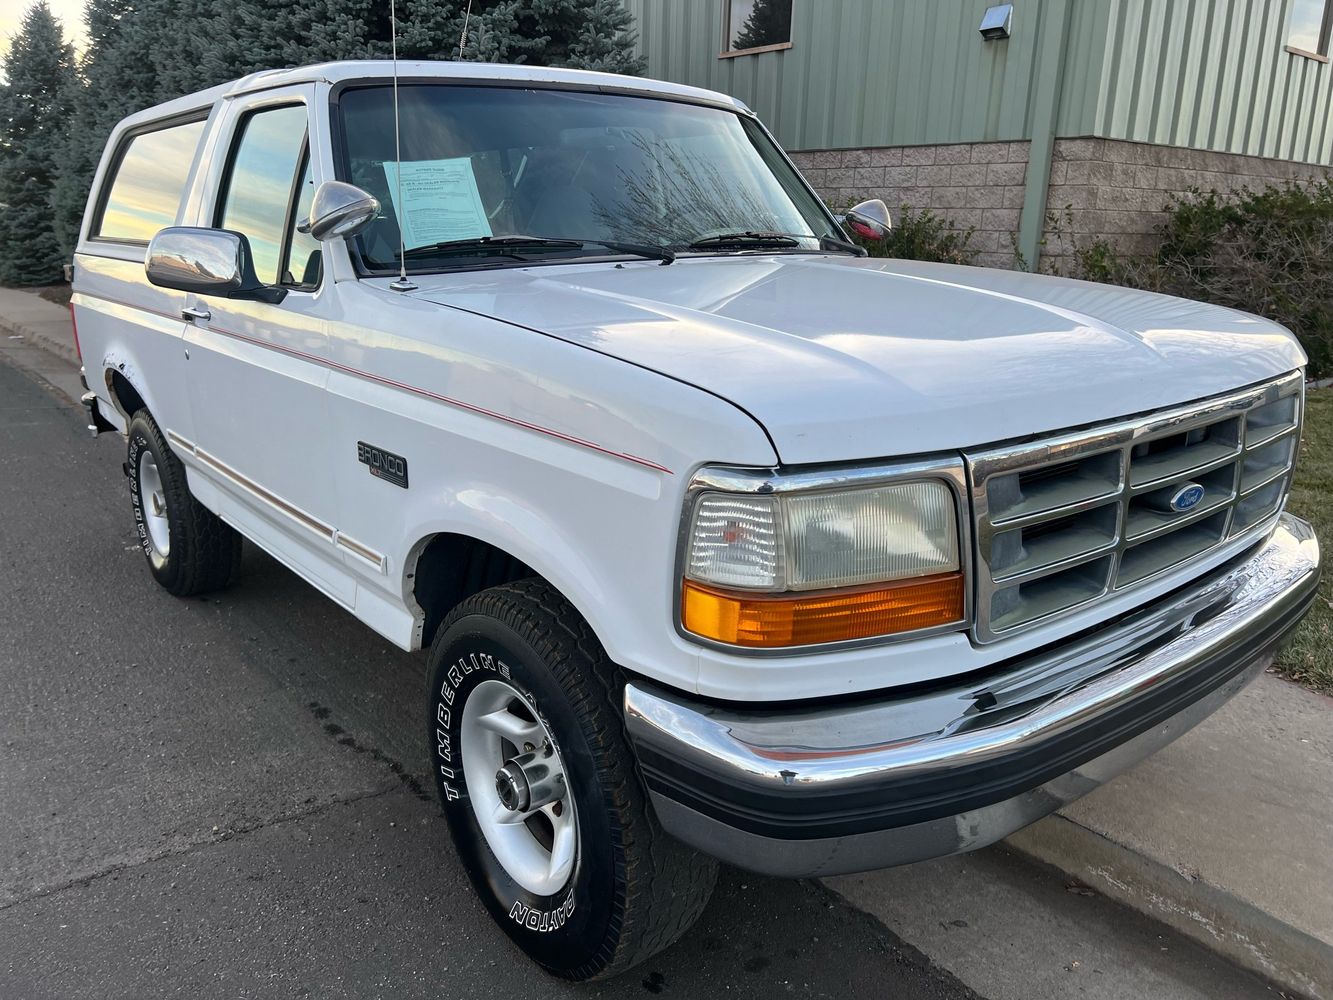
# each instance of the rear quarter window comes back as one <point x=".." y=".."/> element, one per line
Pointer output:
<point x="143" y="193"/>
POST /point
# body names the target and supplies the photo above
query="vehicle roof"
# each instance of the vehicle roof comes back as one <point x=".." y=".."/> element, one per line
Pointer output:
<point x="360" y="69"/>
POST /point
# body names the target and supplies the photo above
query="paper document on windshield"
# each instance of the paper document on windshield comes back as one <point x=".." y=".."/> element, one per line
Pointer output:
<point x="439" y="201"/>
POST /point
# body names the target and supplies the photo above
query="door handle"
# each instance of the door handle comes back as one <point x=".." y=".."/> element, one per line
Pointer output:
<point x="195" y="312"/>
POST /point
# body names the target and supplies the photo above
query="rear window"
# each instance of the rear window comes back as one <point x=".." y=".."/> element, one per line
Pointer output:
<point x="145" y="190"/>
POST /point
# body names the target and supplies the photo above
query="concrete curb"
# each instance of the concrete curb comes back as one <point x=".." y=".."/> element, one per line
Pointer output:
<point x="38" y="334"/>
<point x="1220" y="921"/>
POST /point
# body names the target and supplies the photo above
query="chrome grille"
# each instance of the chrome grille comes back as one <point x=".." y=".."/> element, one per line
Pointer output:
<point x="1066" y="521"/>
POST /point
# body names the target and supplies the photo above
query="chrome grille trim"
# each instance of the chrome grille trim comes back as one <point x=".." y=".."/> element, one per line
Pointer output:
<point x="1098" y="528"/>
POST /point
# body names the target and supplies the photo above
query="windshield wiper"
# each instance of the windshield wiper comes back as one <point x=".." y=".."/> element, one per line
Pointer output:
<point x="746" y="239"/>
<point x="637" y="249"/>
<point x="506" y="245"/>
<point x="513" y="246"/>
<point x="767" y="239"/>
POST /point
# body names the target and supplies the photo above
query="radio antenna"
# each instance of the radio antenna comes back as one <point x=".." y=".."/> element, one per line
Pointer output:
<point x="401" y="284"/>
<point x="462" y="39"/>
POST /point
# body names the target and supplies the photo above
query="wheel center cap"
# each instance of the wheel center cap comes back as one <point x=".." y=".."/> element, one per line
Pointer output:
<point x="512" y="787"/>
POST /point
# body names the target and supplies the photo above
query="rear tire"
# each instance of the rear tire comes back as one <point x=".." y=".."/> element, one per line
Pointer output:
<point x="521" y="657"/>
<point x="189" y="549"/>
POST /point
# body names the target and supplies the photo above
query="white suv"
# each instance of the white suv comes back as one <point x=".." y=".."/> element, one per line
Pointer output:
<point x="726" y="540"/>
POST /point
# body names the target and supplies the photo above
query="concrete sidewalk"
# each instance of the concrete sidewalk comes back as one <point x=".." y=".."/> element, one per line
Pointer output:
<point x="31" y="319"/>
<point x="1226" y="835"/>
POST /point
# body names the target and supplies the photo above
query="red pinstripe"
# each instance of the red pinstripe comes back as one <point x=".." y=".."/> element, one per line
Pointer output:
<point x="393" y="383"/>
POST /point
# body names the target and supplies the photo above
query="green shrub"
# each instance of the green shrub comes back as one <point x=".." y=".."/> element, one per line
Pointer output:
<point x="1268" y="252"/>
<point x="924" y="236"/>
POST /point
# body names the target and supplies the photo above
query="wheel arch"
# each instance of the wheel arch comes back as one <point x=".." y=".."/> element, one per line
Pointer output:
<point x="127" y="399"/>
<point x="445" y="568"/>
<point x="126" y="388"/>
<point x="474" y="539"/>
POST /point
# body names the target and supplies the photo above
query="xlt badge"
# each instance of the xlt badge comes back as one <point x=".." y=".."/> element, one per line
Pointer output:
<point x="383" y="464"/>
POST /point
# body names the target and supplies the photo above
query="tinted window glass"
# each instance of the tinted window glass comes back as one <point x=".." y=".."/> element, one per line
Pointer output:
<point x="752" y="24"/>
<point x="259" y="185"/>
<point x="146" y="190"/>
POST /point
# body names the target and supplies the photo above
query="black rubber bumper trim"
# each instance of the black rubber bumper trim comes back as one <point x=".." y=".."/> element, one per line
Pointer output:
<point x="803" y="814"/>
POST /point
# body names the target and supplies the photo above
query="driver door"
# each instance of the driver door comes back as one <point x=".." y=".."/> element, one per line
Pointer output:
<point x="256" y="370"/>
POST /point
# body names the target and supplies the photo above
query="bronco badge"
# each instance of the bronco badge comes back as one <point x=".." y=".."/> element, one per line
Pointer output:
<point x="383" y="464"/>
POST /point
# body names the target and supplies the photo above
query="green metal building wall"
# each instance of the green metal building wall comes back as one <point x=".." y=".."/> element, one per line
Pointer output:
<point x="866" y="72"/>
<point x="1209" y="74"/>
<point x="1212" y="74"/>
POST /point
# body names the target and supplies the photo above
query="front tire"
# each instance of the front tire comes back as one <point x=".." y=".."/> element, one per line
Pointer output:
<point x="582" y="877"/>
<point x="189" y="549"/>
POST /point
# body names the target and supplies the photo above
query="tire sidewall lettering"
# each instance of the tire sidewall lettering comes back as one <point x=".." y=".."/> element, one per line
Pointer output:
<point x="137" y="447"/>
<point x="465" y="666"/>
<point x="542" y="921"/>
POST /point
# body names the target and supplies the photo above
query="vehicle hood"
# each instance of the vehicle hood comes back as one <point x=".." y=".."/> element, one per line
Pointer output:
<point x="843" y="358"/>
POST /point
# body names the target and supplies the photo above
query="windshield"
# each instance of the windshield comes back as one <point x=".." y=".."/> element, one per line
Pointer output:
<point x="567" y="165"/>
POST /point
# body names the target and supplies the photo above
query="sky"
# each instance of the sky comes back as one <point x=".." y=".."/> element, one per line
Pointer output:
<point x="68" y="12"/>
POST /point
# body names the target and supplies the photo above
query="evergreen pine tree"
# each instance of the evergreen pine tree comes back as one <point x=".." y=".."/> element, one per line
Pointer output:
<point x="606" y="40"/>
<point x="272" y="34"/>
<point x="38" y="67"/>
<point x="583" y="34"/>
<point x="579" y="34"/>
<point x="769" y="23"/>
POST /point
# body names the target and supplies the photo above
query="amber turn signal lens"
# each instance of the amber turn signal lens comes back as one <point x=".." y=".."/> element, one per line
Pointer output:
<point x="769" y="621"/>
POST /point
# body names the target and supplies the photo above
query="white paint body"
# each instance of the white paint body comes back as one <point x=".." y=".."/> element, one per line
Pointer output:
<point x="559" y="411"/>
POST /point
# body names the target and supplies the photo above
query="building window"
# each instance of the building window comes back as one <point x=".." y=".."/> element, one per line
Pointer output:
<point x="756" y="26"/>
<point x="1311" y="22"/>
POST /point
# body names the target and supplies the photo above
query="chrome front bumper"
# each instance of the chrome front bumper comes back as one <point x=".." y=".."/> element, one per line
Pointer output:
<point x="878" y="782"/>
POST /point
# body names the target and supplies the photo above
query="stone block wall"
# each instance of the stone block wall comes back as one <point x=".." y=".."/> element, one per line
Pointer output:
<point x="1117" y="190"/>
<point x="1099" y="188"/>
<point x="976" y="185"/>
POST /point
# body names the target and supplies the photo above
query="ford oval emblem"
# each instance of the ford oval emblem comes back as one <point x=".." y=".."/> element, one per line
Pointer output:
<point x="1186" y="498"/>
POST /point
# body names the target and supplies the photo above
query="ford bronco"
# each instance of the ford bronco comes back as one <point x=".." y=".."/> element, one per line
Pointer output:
<point x="726" y="540"/>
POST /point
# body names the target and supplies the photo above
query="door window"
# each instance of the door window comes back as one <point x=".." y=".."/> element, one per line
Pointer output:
<point x="261" y="181"/>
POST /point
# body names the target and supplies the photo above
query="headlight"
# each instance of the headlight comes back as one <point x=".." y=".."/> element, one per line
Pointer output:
<point x="809" y="567"/>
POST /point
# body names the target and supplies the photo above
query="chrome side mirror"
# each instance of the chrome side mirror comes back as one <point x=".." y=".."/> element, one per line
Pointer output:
<point x="207" y="262"/>
<point x="339" y="211"/>
<point x="870" y="220"/>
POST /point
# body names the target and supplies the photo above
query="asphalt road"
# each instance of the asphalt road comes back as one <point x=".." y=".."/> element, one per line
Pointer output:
<point x="226" y="797"/>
